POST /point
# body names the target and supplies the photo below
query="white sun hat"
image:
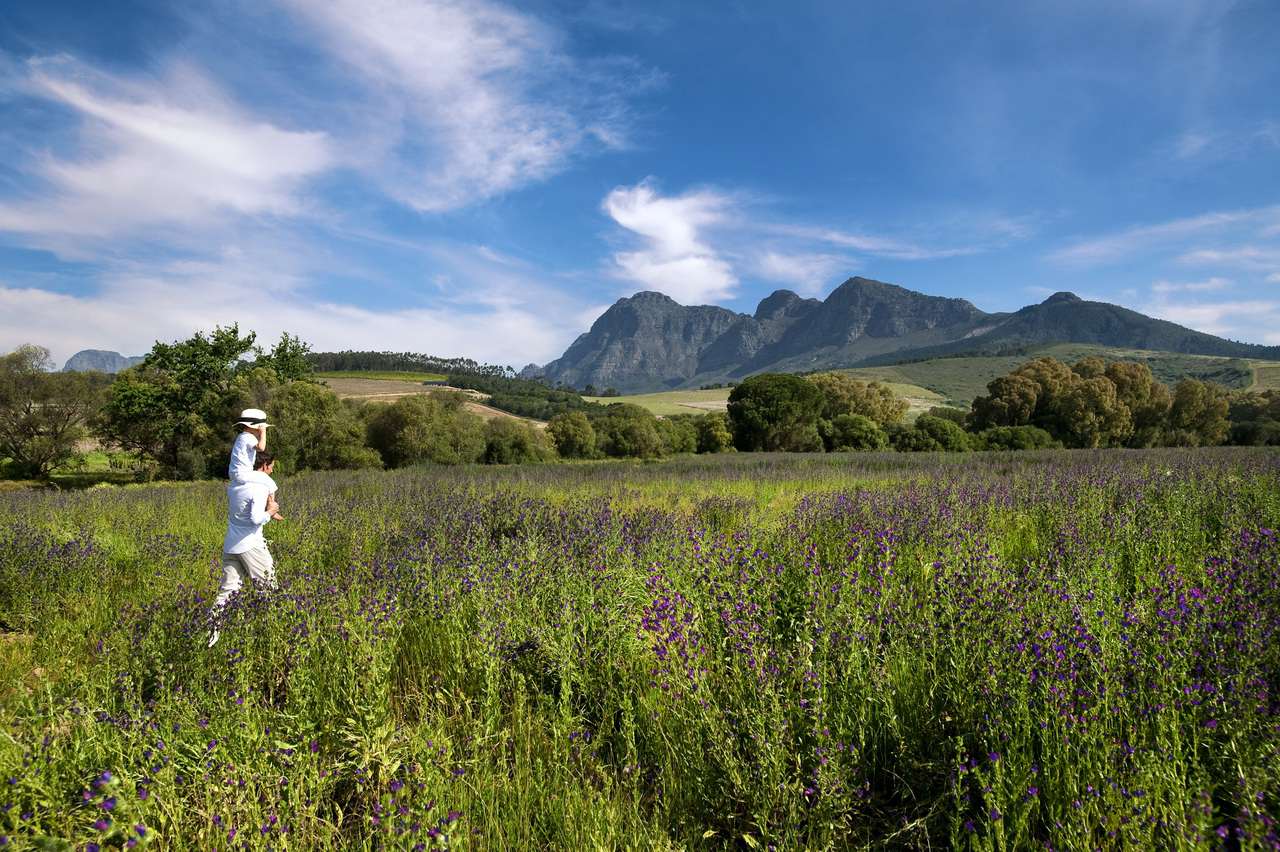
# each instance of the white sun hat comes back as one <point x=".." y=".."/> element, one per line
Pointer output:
<point x="253" y="417"/>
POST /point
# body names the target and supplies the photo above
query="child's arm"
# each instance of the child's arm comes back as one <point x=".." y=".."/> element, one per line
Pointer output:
<point x="261" y="432"/>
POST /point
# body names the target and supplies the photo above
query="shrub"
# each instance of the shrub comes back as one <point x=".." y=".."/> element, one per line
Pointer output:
<point x="1015" y="438"/>
<point x="512" y="441"/>
<point x="572" y="435"/>
<point x="852" y="433"/>
<point x="421" y="428"/>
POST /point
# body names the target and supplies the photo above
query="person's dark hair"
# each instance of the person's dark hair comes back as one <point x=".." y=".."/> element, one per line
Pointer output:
<point x="262" y="459"/>
<point x="240" y="427"/>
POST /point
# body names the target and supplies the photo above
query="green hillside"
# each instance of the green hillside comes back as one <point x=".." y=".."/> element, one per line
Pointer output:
<point x="960" y="379"/>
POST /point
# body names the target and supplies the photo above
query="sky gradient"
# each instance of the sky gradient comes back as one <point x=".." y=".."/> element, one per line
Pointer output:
<point x="483" y="179"/>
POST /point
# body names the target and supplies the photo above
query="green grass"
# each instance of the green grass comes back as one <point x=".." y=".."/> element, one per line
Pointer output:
<point x="1266" y="376"/>
<point x="384" y="375"/>
<point x="984" y="651"/>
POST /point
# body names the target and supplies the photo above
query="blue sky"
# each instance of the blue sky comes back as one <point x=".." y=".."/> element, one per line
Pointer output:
<point x="482" y="178"/>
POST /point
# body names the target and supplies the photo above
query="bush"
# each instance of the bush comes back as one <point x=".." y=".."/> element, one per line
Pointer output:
<point x="678" y="434"/>
<point x="423" y="428"/>
<point x="628" y="431"/>
<point x="572" y="435"/>
<point x="512" y="441"/>
<point x="1015" y="438"/>
<point x="957" y="416"/>
<point x="949" y="435"/>
<point x="713" y="433"/>
<point x="908" y="439"/>
<point x="853" y="433"/>
<point x="318" y="432"/>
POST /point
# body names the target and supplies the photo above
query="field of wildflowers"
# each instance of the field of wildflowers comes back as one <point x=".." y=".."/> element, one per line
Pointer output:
<point x="1067" y="650"/>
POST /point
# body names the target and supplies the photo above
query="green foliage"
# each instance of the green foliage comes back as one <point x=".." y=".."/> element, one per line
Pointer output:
<point x="776" y="411"/>
<point x="1015" y="438"/>
<point x="1198" y="415"/>
<point x="628" y="431"/>
<point x="843" y="394"/>
<point x="400" y="362"/>
<point x="852" y="433"/>
<point x="1255" y="418"/>
<point x="524" y="397"/>
<point x="958" y="416"/>
<point x="1147" y="399"/>
<point x="909" y="439"/>
<point x="573" y="435"/>
<point x="713" y="433"/>
<point x="319" y="432"/>
<point x="511" y="441"/>
<point x="947" y="433"/>
<point x="420" y="428"/>
<point x="679" y="434"/>
<point x="43" y="414"/>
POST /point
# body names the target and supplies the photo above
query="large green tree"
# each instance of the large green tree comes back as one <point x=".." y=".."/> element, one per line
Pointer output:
<point x="42" y="413"/>
<point x="573" y="435"/>
<point x="1147" y="399"/>
<point x="1198" y="415"/>
<point x="426" y="428"/>
<point x="318" y="432"/>
<point x="176" y="407"/>
<point x="776" y="411"/>
<point x="843" y="394"/>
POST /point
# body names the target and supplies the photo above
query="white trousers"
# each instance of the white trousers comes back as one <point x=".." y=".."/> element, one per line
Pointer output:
<point x="256" y="564"/>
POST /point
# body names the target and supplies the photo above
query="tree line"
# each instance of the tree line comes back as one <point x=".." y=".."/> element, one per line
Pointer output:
<point x="172" y="413"/>
<point x="1041" y="404"/>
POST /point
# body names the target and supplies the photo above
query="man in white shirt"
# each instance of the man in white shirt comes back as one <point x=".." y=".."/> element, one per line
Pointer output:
<point x="251" y="504"/>
<point x="250" y="440"/>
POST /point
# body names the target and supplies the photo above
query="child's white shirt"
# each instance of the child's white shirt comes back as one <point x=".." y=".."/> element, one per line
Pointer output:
<point x="243" y="453"/>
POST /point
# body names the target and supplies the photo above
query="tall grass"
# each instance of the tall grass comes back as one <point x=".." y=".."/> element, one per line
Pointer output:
<point x="1066" y="650"/>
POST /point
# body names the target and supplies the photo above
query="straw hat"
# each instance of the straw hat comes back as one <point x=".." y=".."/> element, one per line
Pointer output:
<point x="253" y="417"/>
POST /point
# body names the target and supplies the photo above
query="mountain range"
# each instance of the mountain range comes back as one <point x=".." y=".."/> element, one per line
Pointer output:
<point x="649" y="342"/>
<point x="102" y="360"/>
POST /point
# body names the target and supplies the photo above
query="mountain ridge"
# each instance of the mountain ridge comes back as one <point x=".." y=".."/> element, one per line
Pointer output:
<point x="649" y="342"/>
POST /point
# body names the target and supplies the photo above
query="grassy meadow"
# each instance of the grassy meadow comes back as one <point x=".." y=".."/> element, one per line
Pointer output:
<point x="1066" y="650"/>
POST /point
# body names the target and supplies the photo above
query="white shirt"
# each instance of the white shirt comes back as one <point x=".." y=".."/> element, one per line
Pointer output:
<point x="247" y="512"/>
<point x="243" y="453"/>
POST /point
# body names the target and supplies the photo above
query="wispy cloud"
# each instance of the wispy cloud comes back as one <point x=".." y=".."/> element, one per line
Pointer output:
<point x="809" y="273"/>
<point x="675" y="258"/>
<point x="156" y="153"/>
<point x="1207" y="286"/>
<point x="1128" y="242"/>
<point x="1254" y="320"/>
<point x="472" y="98"/>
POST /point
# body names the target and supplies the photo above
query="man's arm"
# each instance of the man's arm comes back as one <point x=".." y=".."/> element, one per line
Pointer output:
<point x="260" y="507"/>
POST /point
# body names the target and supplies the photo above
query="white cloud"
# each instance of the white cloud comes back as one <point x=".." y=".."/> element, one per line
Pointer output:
<point x="1251" y="257"/>
<point x="157" y="154"/>
<point x="1274" y="278"/>
<point x="675" y="258"/>
<point x="471" y="98"/>
<point x="809" y="274"/>
<point x="1121" y="244"/>
<point x="491" y="311"/>
<point x="1253" y="320"/>
<point x="1208" y="285"/>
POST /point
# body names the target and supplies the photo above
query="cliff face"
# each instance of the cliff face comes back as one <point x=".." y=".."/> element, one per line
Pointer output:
<point x="101" y="360"/>
<point x="646" y="341"/>
<point x="649" y="342"/>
